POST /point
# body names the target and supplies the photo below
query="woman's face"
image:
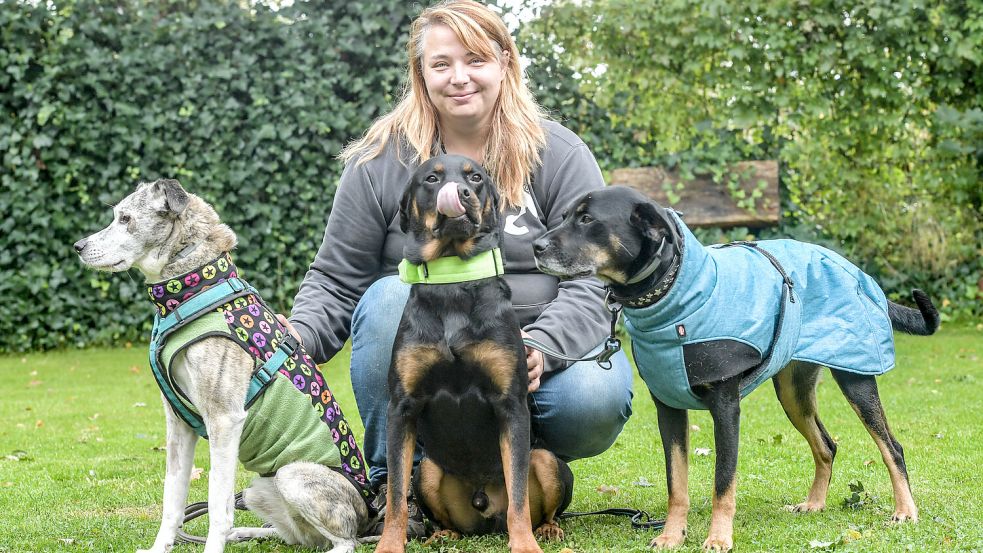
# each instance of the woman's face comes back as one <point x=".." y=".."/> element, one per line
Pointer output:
<point x="462" y="85"/>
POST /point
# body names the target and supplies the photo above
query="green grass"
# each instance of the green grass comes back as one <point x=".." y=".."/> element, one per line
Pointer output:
<point x="81" y="465"/>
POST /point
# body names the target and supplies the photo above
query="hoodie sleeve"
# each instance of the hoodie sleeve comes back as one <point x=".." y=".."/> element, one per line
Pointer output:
<point x="349" y="260"/>
<point x="576" y="321"/>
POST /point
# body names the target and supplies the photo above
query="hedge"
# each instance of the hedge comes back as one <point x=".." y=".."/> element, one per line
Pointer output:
<point x="246" y="107"/>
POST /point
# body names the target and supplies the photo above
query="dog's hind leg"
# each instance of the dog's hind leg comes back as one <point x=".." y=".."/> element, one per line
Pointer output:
<point x="263" y="499"/>
<point x="327" y="508"/>
<point x="449" y="501"/>
<point x="181" y="440"/>
<point x="550" y="487"/>
<point x="861" y="392"/>
<point x="674" y="429"/>
<point x="795" y="386"/>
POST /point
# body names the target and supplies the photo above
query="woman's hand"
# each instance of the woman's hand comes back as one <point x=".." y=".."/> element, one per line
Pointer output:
<point x="290" y="328"/>
<point x="534" y="359"/>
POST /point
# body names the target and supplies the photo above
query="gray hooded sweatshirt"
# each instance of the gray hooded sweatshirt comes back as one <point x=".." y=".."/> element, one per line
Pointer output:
<point x="363" y="242"/>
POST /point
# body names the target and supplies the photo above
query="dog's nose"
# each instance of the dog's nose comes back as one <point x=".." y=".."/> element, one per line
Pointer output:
<point x="539" y="246"/>
<point x="80" y="245"/>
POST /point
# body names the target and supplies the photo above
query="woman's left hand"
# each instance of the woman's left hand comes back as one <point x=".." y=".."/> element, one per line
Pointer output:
<point x="534" y="360"/>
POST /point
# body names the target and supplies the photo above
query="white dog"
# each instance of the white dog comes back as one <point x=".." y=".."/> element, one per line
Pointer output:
<point x="230" y="372"/>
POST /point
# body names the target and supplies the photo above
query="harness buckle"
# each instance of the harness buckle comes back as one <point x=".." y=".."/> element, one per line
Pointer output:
<point x="289" y="345"/>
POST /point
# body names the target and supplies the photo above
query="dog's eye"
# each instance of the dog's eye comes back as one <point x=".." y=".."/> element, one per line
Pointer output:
<point x="124" y="219"/>
<point x="586" y="219"/>
<point x="475" y="177"/>
<point x="432" y="179"/>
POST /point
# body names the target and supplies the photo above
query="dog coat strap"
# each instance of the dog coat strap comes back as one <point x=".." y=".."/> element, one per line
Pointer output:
<point x="452" y="269"/>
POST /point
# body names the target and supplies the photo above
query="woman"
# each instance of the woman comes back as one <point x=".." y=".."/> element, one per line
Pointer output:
<point x="465" y="96"/>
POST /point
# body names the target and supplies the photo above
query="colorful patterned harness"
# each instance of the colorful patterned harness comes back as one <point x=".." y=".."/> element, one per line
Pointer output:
<point x="213" y="301"/>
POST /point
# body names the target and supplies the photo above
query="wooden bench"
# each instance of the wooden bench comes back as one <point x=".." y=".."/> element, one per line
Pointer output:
<point x="707" y="203"/>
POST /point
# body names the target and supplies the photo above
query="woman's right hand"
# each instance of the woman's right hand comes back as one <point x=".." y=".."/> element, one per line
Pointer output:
<point x="290" y="328"/>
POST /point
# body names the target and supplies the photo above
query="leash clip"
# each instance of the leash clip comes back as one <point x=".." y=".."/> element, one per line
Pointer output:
<point x="611" y="347"/>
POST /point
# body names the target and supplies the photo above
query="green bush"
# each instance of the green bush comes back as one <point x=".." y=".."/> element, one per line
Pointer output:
<point x="246" y="107"/>
<point x="873" y="110"/>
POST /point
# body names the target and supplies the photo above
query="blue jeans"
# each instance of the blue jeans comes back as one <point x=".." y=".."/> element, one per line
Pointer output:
<point x="576" y="413"/>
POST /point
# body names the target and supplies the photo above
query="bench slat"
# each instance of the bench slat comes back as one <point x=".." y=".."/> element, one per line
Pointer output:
<point x="706" y="203"/>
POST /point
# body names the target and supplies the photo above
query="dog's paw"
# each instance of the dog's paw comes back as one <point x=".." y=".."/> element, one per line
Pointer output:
<point x="549" y="531"/>
<point x="806" y="507"/>
<point x="668" y="540"/>
<point x="905" y="515"/>
<point x="442" y="535"/>
<point x="718" y="543"/>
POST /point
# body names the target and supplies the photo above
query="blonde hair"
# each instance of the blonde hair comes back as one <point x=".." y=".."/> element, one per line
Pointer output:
<point x="516" y="136"/>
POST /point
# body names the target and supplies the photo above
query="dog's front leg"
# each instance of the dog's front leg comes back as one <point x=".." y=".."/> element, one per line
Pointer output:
<point x="724" y="403"/>
<point x="514" y="444"/>
<point x="400" y="442"/>
<point x="224" y="432"/>
<point x="180" y="441"/>
<point x="674" y="429"/>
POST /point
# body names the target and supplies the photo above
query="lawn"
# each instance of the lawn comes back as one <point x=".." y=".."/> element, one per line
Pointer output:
<point x="82" y="464"/>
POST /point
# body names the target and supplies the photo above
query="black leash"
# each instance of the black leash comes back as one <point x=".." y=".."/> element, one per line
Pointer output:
<point x="640" y="520"/>
<point x="611" y="346"/>
<point x="199" y="509"/>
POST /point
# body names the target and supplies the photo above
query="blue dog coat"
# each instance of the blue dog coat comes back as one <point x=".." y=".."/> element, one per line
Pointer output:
<point x="834" y="314"/>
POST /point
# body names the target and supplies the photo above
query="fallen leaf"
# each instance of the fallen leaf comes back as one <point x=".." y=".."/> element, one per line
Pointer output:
<point x="39" y="423"/>
<point x="938" y="380"/>
<point x="35" y="383"/>
<point x="94" y="417"/>
<point x="566" y="550"/>
<point x="869" y="462"/>
<point x="695" y="428"/>
<point x="67" y="541"/>
<point x="607" y="490"/>
<point x="6" y="484"/>
<point x="643" y="482"/>
<point x="939" y="436"/>
<point x="135" y="369"/>
<point x="196" y="473"/>
<point x="702" y="451"/>
<point x="139" y="404"/>
<point x="128" y="345"/>
<point x="851" y="535"/>
<point x="816" y="544"/>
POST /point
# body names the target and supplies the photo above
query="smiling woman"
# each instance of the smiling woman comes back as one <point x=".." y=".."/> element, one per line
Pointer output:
<point x="465" y="95"/>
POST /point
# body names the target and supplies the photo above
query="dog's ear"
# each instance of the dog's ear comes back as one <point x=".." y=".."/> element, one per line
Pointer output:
<point x="645" y="216"/>
<point x="175" y="198"/>
<point x="404" y="207"/>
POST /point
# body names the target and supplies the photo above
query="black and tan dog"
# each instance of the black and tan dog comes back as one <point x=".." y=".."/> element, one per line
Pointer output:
<point x="710" y="324"/>
<point x="458" y="379"/>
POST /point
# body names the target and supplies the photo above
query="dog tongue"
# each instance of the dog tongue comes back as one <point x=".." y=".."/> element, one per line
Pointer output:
<point x="448" y="202"/>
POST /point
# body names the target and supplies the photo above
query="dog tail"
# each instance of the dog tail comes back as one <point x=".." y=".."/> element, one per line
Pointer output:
<point x="922" y="321"/>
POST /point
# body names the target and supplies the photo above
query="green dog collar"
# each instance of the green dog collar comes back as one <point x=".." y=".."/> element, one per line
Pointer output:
<point x="451" y="269"/>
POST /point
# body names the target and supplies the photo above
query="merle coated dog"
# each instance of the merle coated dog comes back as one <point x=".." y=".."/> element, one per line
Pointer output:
<point x="458" y="379"/>
<point x="708" y="324"/>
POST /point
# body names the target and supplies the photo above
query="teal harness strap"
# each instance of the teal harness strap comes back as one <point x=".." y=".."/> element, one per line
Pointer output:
<point x="267" y="372"/>
<point x="453" y="269"/>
